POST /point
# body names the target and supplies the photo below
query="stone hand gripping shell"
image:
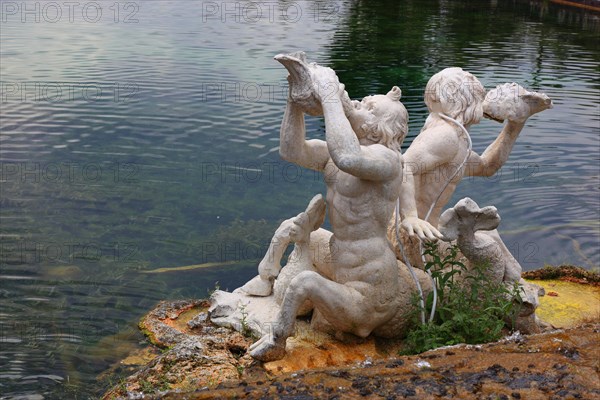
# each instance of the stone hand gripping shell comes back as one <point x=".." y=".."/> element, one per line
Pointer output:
<point x="310" y="83"/>
<point x="512" y="102"/>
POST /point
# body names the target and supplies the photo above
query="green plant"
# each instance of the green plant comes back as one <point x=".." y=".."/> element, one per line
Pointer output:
<point x="122" y="386"/>
<point x="152" y="387"/>
<point x="240" y="370"/>
<point x="147" y="387"/>
<point x="211" y="291"/>
<point x="246" y="329"/>
<point x="163" y="383"/>
<point x="469" y="308"/>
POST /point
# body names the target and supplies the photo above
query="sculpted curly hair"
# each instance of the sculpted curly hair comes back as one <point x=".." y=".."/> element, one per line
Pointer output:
<point x="456" y="93"/>
<point x="390" y="129"/>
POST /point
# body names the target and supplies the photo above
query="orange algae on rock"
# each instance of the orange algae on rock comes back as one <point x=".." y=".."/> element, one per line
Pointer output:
<point x="200" y="356"/>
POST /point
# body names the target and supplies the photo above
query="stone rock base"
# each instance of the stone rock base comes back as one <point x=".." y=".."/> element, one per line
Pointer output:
<point x="200" y="361"/>
<point x="555" y="365"/>
<point x="199" y="354"/>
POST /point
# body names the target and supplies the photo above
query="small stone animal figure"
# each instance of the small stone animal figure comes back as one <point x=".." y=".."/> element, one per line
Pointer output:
<point x="474" y="230"/>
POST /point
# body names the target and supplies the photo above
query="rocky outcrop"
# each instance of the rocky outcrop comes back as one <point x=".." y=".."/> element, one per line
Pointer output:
<point x="557" y="365"/>
<point x="200" y="360"/>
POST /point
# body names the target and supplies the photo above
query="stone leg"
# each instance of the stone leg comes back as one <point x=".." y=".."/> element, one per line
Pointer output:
<point x="270" y="265"/>
<point x="293" y="229"/>
<point x="299" y="260"/>
<point x="339" y="304"/>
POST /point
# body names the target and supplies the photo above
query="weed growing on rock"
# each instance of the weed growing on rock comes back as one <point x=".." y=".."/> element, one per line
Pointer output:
<point x="246" y="329"/>
<point x="148" y="387"/>
<point x="240" y="370"/>
<point x="211" y="291"/>
<point x="470" y="309"/>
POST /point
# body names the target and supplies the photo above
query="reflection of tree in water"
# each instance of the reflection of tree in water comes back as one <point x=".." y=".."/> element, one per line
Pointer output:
<point x="390" y="42"/>
<point x="383" y="43"/>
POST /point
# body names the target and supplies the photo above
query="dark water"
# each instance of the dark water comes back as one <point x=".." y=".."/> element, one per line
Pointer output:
<point x="148" y="139"/>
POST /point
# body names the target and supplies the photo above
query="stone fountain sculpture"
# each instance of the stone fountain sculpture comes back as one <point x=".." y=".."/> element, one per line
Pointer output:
<point x="351" y="276"/>
<point x="442" y="154"/>
<point x="474" y="230"/>
<point x="296" y="230"/>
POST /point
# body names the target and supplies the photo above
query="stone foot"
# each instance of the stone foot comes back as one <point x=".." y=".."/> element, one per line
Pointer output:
<point x="300" y="231"/>
<point x="257" y="286"/>
<point x="268" y="349"/>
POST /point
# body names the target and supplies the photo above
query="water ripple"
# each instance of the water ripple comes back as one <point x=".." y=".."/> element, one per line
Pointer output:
<point x="127" y="147"/>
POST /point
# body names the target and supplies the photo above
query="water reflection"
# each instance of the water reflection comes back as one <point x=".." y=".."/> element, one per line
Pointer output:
<point x="552" y="174"/>
<point x="131" y="147"/>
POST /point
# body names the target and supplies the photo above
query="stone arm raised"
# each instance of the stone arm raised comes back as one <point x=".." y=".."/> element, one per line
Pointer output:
<point x="294" y="147"/>
<point x="496" y="154"/>
<point x="375" y="162"/>
<point x="511" y="103"/>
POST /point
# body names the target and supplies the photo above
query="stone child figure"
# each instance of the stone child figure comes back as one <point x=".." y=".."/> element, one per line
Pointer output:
<point x="390" y="127"/>
<point x="441" y="152"/>
<point x="356" y="289"/>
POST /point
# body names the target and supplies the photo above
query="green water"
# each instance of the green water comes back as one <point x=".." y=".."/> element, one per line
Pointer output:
<point x="130" y="146"/>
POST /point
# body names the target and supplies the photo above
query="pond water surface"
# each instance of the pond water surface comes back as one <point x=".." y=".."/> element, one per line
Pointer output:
<point x="143" y="135"/>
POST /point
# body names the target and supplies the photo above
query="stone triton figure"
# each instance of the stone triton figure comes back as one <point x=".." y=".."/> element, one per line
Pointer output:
<point x="441" y="154"/>
<point x="378" y="125"/>
<point x="356" y="288"/>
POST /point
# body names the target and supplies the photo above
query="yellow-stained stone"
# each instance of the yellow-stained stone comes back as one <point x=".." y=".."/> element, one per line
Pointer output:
<point x="141" y="357"/>
<point x="572" y="304"/>
<point x="63" y="272"/>
<point x="309" y="349"/>
<point x="226" y="360"/>
<point x="575" y="303"/>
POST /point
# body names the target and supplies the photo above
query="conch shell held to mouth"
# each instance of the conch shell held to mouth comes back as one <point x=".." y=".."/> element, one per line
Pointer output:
<point x="301" y="82"/>
<point x="512" y="102"/>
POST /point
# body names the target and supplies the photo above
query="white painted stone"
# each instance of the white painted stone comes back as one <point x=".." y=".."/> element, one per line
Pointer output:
<point x="474" y="230"/>
<point x="355" y="288"/>
<point x="440" y="156"/>
<point x="300" y="258"/>
<point x="514" y="103"/>
<point x="350" y="276"/>
<point x="244" y="313"/>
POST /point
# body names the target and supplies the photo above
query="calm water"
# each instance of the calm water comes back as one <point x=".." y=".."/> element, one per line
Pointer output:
<point x="144" y="135"/>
